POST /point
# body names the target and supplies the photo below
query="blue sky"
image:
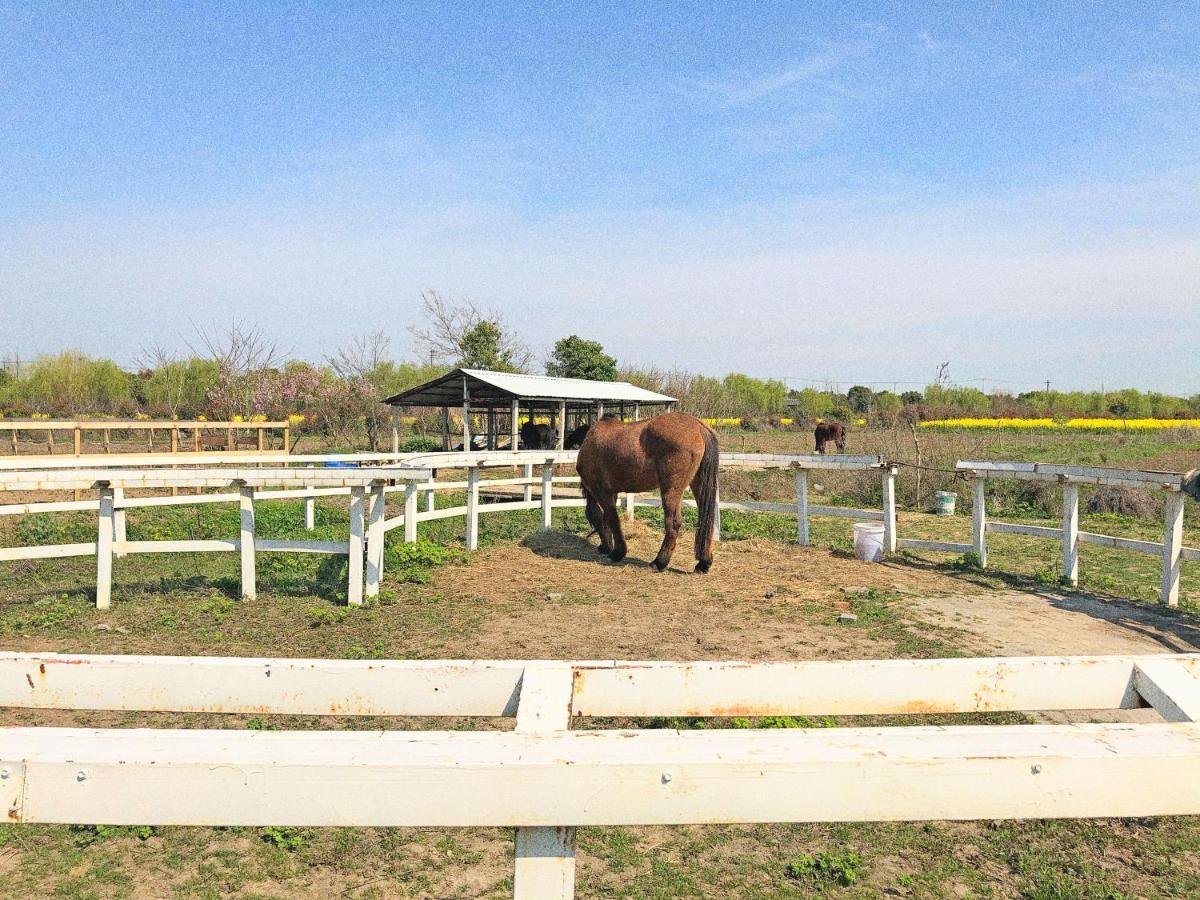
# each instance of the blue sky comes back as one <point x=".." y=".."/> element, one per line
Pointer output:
<point x="842" y="191"/>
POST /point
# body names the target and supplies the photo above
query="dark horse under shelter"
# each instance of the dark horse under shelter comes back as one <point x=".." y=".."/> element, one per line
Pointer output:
<point x="830" y="431"/>
<point x="535" y="436"/>
<point x="671" y="452"/>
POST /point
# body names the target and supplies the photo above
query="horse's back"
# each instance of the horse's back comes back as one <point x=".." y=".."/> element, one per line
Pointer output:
<point x="631" y="455"/>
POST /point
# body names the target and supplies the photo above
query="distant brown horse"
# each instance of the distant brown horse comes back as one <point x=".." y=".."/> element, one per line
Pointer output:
<point x="830" y="431"/>
<point x="670" y="452"/>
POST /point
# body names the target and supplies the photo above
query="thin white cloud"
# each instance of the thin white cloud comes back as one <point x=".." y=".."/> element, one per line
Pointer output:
<point x="749" y="90"/>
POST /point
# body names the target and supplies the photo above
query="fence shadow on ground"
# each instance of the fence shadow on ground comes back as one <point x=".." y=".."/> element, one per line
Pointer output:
<point x="1149" y="620"/>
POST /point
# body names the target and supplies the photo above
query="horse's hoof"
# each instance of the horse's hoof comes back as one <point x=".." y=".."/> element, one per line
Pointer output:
<point x="703" y="566"/>
<point x="603" y="551"/>
<point x="617" y="555"/>
<point x="659" y="566"/>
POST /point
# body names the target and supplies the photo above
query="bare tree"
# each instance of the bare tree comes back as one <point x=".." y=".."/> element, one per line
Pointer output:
<point x="239" y="348"/>
<point x="166" y="368"/>
<point x="362" y="356"/>
<point x="450" y="322"/>
<point x="360" y="363"/>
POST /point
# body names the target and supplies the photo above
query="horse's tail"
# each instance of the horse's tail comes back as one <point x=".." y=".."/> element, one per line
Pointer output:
<point x="704" y="487"/>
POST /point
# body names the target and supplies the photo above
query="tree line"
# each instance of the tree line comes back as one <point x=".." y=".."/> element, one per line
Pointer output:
<point x="238" y="371"/>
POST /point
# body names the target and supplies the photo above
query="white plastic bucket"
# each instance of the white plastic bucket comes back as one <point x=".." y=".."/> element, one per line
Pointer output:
<point x="944" y="502"/>
<point x="868" y="541"/>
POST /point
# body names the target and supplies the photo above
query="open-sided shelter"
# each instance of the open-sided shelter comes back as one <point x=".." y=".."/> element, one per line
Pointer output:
<point x="498" y="400"/>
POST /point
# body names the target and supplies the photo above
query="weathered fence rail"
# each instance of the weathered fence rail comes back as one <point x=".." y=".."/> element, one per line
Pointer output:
<point x="1170" y="549"/>
<point x="545" y="779"/>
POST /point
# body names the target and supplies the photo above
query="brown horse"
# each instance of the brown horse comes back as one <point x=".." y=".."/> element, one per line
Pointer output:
<point x="830" y="431"/>
<point x="670" y="452"/>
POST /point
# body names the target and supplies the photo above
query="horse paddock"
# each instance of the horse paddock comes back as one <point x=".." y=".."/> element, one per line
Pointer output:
<point x="533" y="594"/>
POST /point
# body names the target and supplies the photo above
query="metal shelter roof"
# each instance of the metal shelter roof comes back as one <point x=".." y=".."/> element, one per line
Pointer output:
<point x="488" y="388"/>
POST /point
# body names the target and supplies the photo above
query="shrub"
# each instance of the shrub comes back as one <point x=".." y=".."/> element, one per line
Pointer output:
<point x="1123" y="501"/>
<point x="420" y="443"/>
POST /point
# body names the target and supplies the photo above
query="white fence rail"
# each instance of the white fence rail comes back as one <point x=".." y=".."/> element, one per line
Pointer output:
<point x="1170" y="549"/>
<point x="545" y="778"/>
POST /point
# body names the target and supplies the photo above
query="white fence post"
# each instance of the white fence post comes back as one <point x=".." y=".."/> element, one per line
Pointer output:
<point x="802" y="535"/>
<point x="547" y="496"/>
<point x="310" y="511"/>
<point x="717" y="517"/>
<point x="528" y="494"/>
<point x="979" y="522"/>
<point x="889" y="509"/>
<point x="1070" y="536"/>
<point x="104" y="549"/>
<point x="354" y="586"/>
<point x="545" y="856"/>
<point x="630" y="506"/>
<point x="1172" y="549"/>
<point x="473" y="508"/>
<point x="246" y="541"/>
<point x="120" y="535"/>
<point x="375" y="540"/>
<point x="410" y="512"/>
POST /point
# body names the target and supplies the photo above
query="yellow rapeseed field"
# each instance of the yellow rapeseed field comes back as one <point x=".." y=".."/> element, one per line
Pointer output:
<point x="1066" y="424"/>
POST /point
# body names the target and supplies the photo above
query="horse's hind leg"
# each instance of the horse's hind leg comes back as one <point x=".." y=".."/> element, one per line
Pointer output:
<point x="603" y="528"/>
<point x="672" y="499"/>
<point x="612" y="523"/>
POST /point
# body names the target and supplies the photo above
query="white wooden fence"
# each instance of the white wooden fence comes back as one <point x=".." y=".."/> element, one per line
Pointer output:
<point x="546" y="779"/>
<point x="377" y="474"/>
<point x="1170" y="549"/>
<point x="367" y="483"/>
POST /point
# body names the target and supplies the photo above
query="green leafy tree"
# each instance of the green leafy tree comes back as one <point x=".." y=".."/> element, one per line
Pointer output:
<point x="858" y="398"/>
<point x="575" y="357"/>
<point x="908" y="398"/>
<point x="482" y="347"/>
<point x="71" y="383"/>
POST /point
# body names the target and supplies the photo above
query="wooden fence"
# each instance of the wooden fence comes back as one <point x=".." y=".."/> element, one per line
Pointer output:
<point x="201" y="435"/>
<point x="1170" y="549"/>
<point x="545" y="778"/>
<point x="375" y="475"/>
